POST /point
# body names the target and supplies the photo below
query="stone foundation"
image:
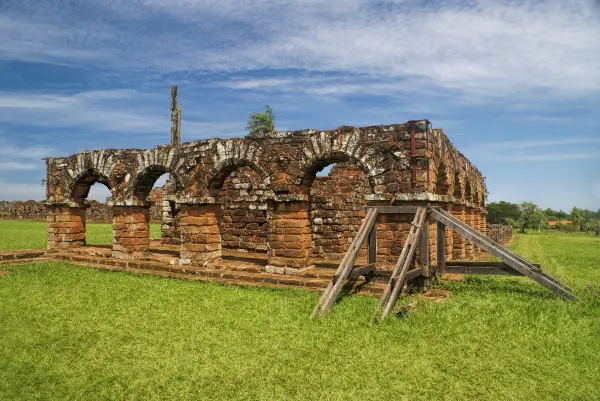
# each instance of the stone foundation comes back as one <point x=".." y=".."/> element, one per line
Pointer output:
<point x="289" y="239"/>
<point x="131" y="230"/>
<point x="66" y="227"/>
<point x="200" y="234"/>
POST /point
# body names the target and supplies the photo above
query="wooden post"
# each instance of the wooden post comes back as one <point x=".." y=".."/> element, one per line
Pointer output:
<point x="424" y="251"/>
<point x="372" y="245"/>
<point x="441" y="246"/>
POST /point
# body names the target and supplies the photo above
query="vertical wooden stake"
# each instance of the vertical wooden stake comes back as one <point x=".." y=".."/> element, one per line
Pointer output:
<point x="424" y="250"/>
<point x="372" y="245"/>
<point x="441" y="247"/>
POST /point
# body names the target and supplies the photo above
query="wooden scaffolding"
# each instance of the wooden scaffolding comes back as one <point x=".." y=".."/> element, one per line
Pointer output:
<point x="511" y="263"/>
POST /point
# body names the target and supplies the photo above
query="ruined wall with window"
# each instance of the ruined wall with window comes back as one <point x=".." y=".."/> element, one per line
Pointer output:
<point x="262" y="193"/>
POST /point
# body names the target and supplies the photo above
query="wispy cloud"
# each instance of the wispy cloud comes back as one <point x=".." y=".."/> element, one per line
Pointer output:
<point x="11" y="166"/>
<point x="106" y="110"/>
<point x="536" y="150"/>
<point x="484" y="48"/>
<point x="11" y="190"/>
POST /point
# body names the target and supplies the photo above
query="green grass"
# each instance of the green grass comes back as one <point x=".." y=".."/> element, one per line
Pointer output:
<point x="24" y="234"/>
<point x="76" y="333"/>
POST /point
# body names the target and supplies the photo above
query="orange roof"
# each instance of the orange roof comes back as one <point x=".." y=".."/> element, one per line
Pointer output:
<point x="564" y="223"/>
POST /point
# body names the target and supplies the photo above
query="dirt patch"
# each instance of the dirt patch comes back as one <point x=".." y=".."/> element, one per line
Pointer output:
<point x="436" y="295"/>
<point x="3" y="272"/>
<point x="453" y="276"/>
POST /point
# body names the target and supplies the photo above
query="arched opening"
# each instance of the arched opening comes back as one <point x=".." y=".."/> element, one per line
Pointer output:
<point x="458" y="193"/>
<point x="241" y="193"/>
<point x="157" y="185"/>
<point x="91" y="191"/>
<point x="337" y="191"/>
<point x="443" y="184"/>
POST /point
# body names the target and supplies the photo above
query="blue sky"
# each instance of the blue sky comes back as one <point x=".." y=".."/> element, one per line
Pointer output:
<point x="514" y="84"/>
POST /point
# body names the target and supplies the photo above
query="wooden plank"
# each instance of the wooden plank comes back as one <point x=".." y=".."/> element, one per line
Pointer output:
<point x="441" y="245"/>
<point x="413" y="274"/>
<point x="504" y="256"/>
<point x="424" y="247"/>
<point x="480" y="263"/>
<point x="372" y="245"/>
<point x="344" y="269"/>
<point x="394" y="209"/>
<point x="363" y="270"/>
<point x="400" y="278"/>
<point x="533" y="267"/>
<point x="396" y="272"/>
<point x="485" y="270"/>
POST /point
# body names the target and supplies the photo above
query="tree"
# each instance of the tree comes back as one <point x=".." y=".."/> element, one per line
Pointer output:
<point x="502" y="212"/>
<point x="577" y="218"/>
<point x="530" y="216"/>
<point x="261" y="123"/>
<point x="594" y="226"/>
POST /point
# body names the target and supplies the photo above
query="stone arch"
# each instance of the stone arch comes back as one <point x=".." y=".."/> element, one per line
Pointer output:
<point x="88" y="169"/>
<point x="145" y="179"/>
<point x="152" y="164"/>
<point x="80" y="187"/>
<point x="228" y="156"/>
<point x="444" y="184"/>
<point x="327" y="148"/>
<point x="459" y="185"/>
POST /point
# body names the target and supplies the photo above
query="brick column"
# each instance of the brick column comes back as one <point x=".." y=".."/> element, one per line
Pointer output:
<point x="449" y="234"/>
<point x="66" y="226"/>
<point x="468" y="219"/>
<point x="476" y="225"/>
<point x="458" y="242"/>
<point x="289" y="241"/>
<point x="131" y="231"/>
<point x="483" y="222"/>
<point x="200" y="233"/>
<point x="169" y="228"/>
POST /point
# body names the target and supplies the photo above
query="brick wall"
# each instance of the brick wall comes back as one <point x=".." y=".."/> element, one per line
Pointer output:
<point x="499" y="233"/>
<point x="96" y="213"/>
<point x="243" y="211"/>
<point x="337" y="209"/>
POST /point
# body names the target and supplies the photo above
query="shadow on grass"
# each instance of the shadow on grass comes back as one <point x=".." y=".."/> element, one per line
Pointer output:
<point x="497" y="285"/>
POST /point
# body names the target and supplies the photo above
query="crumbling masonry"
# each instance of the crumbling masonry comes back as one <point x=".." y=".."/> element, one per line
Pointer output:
<point x="261" y="193"/>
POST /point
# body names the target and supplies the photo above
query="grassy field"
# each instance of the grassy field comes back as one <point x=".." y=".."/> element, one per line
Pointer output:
<point x="23" y="234"/>
<point x="76" y="333"/>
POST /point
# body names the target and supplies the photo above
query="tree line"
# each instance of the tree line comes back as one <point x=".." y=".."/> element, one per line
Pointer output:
<point x="527" y="215"/>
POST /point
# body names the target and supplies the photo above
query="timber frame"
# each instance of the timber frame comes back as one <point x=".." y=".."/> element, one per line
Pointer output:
<point x="511" y="263"/>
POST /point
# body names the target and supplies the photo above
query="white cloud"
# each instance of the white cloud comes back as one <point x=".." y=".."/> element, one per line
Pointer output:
<point x="10" y="190"/>
<point x="106" y="110"/>
<point x="535" y="150"/>
<point x="484" y="48"/>
<point x="17" y="166"/>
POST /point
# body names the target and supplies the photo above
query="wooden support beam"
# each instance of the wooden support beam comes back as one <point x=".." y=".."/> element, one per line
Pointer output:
<point x="394" y="287"/>
<point x="441" y="246"/>
<point x="504" y="270"/>
<point x="346" y="266"/>
<point x="474" y="263"/>
<point x="505" y="255"/>
<point x="372" y="245"/>
<point x="394" y="209"/>
<point x="424" y="246"/>
<point x="363" y="271"/>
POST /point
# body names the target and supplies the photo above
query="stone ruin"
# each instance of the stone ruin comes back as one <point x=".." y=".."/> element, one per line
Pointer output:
<point x="97" y="212"/>
<point x="500" y="233"/>
<point x="261" y="193"/>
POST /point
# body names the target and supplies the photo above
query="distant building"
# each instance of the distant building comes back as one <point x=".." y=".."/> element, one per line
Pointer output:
<point x="563" y="223"/>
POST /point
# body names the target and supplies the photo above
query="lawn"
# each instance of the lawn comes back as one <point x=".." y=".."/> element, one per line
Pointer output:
<point x="77" y="333"/>
<point x="24" y="234"/>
